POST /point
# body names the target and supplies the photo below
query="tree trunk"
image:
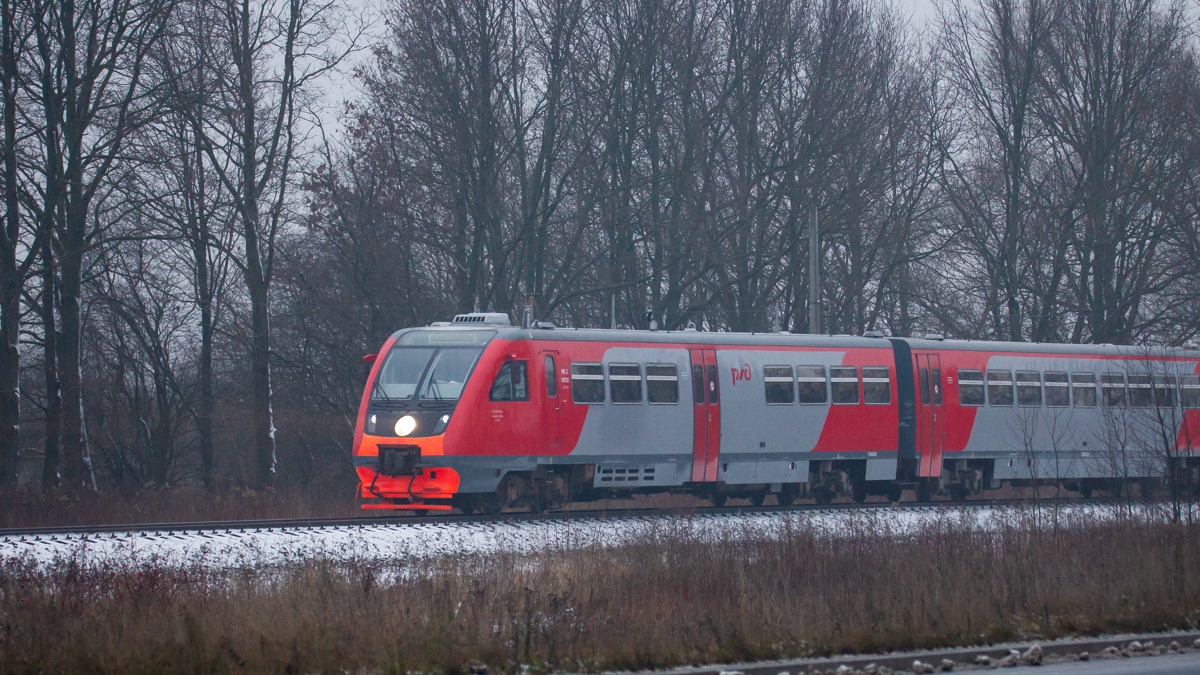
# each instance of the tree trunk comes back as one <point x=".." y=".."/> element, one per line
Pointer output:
<point x="50" y="469"/>
<point x="11" y="282"/>
<point x="260" y="379"/>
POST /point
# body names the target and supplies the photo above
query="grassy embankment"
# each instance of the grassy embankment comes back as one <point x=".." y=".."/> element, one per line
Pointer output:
<point x="674" y="595"/>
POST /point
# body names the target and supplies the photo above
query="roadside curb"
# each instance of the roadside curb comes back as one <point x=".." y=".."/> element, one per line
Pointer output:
<point x="961" y="656"/>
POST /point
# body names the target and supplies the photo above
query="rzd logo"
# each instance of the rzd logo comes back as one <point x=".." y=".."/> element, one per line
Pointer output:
<point x="742" y="373"/>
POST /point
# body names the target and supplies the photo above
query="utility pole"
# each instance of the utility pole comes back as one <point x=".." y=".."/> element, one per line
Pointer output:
<point x="814" y="273"/>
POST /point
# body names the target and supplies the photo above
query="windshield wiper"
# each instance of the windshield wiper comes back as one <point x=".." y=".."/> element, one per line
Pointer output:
<point x="377" y="388"/>
<point x="433" y="389"/>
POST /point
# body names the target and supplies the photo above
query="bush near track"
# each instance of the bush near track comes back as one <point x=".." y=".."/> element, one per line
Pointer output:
<point x="674" y="595"/>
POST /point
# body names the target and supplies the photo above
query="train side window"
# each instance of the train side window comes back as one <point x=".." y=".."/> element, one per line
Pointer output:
<point x="1189" y="391"/>
<point x="662" y="383"/>
<point x="1083" y="390"/>
<point x="1029" y="389"/>
<point x="1000" y="387"/>
<point x="811" y="382"/>
<point x="714" y="389"/>
<point x="1140" y="393"/>
<point x="780" y="388"/>
<point x="1058" y="390"/>
<point x="511" y="383"/>
<point x="843" y="381"/>
<point x="1164" y="391"/>
<point x="625" y="383"/>
<point x="877" y="385"/>
<point x="1113" y="385"/>
<point x="923" y="380"/>
<point x="970" y="387"/>
<point x="551" y="378"/>
<point x="698" y="383"/>
<point x="587" y="383"/>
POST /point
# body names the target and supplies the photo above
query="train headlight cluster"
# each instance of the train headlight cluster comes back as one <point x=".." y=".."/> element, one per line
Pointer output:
<point x="441" y="424"/>
<point x="405" y="425"/>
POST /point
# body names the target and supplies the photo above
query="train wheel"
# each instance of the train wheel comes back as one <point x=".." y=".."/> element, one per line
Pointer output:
<point x="1085" y="489"/>
<point x="858" y="490"/>
<point x="420" y="513"/>
<point x="467" y="509"/>
<point x="822" y="495"/>
<point x="758" y="498"/>
<point x="786" y="496"/>
<point x="959" y="492"/>
<point x="924" y="491"/>
<point x="894" y="493"/>
<point x="718" y="499"/>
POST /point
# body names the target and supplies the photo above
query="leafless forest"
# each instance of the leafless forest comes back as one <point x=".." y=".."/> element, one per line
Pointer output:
<point x="192" y="263"/>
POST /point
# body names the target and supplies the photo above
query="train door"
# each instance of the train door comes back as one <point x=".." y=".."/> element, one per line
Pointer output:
<point x="706" y="397"/>
<point x="931" y="427"/>
<point x="557" y="384"/>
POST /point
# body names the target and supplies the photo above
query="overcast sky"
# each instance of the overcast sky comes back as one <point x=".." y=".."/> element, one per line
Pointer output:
<point x="341" y="87"/>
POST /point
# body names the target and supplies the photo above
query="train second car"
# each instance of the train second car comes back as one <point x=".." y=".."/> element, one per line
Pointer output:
<point x="478" y="414"/>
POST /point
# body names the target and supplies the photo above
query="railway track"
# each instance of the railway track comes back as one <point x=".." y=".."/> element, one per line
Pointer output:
<point x="507" y="517"/>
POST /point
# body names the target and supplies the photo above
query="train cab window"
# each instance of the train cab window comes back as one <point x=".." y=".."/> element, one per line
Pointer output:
<point x="698" y="383"/>
<point x="1113" y="385"/>
<point x="1164" y="391"/>
<point x="714" y="389"/>
<point x="812" y="385"/>
<point x="662" y="383"/>
<point x="551" y="378"/>
<point x="1083" y="390"/>
<point x="877" y="385"/>
<point x="843" y="381"/>
<point x="1058" y="390"/>
<point x="970" y="387"/>
<point x="780" y="388"/>
<point x="587" y="383"/>
<point x="625" y="383"/>
<point x="1000" y="387"/>
<point x="1140" y="393"/>
<point x="511" y="383"/>
<point x="1189" y="391"/>
<point x="1029" y="388"/>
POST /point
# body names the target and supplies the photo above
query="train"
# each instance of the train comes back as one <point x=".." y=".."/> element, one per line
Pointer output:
<point x="481" y="414"/>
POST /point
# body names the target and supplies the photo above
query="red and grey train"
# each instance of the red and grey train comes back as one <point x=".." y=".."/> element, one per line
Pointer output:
<point x="481" y="415"/>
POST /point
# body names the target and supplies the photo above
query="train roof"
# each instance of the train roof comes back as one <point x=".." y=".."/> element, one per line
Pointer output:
<point x="780" y="339"/>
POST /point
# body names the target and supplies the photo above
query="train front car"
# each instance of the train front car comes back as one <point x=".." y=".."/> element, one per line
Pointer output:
<point x="481" y="415"/>
<point x="415" y="387"/>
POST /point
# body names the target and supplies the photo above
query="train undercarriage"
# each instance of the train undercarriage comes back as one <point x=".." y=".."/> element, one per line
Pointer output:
<point x="553" y="488"/>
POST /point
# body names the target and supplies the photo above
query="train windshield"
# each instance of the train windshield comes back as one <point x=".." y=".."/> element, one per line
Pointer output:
<point x="448" y="374"/>
<point x="437" y="362"/>
<point x="400" y="374"/>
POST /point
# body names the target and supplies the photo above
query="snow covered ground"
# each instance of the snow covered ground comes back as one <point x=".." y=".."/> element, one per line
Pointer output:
<point x="221" y="549"/>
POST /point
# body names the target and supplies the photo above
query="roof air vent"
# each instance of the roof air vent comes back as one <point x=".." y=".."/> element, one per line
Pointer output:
<point x="935" y="336"/>
<point x="873" y="334"/>
<point x="544" y="325"/>
<point x="488" y="318"/>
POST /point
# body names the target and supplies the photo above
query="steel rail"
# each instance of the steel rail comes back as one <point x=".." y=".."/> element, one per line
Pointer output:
<point x="518" y="516"/>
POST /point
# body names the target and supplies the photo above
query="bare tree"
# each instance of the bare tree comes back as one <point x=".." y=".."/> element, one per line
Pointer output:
<point x="995" y="55"/>
<point x="276" y="50"/>
<point x="90" y="64"/>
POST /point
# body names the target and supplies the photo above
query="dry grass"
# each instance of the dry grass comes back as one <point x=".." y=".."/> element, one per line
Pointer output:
<point x="33" y="508"/>
<point x="672" y="596"/>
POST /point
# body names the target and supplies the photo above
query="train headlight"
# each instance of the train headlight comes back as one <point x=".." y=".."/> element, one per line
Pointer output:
<point x="405" y="425"/>
<point x="441" y="424"/>
<point x="371" y="424"/>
